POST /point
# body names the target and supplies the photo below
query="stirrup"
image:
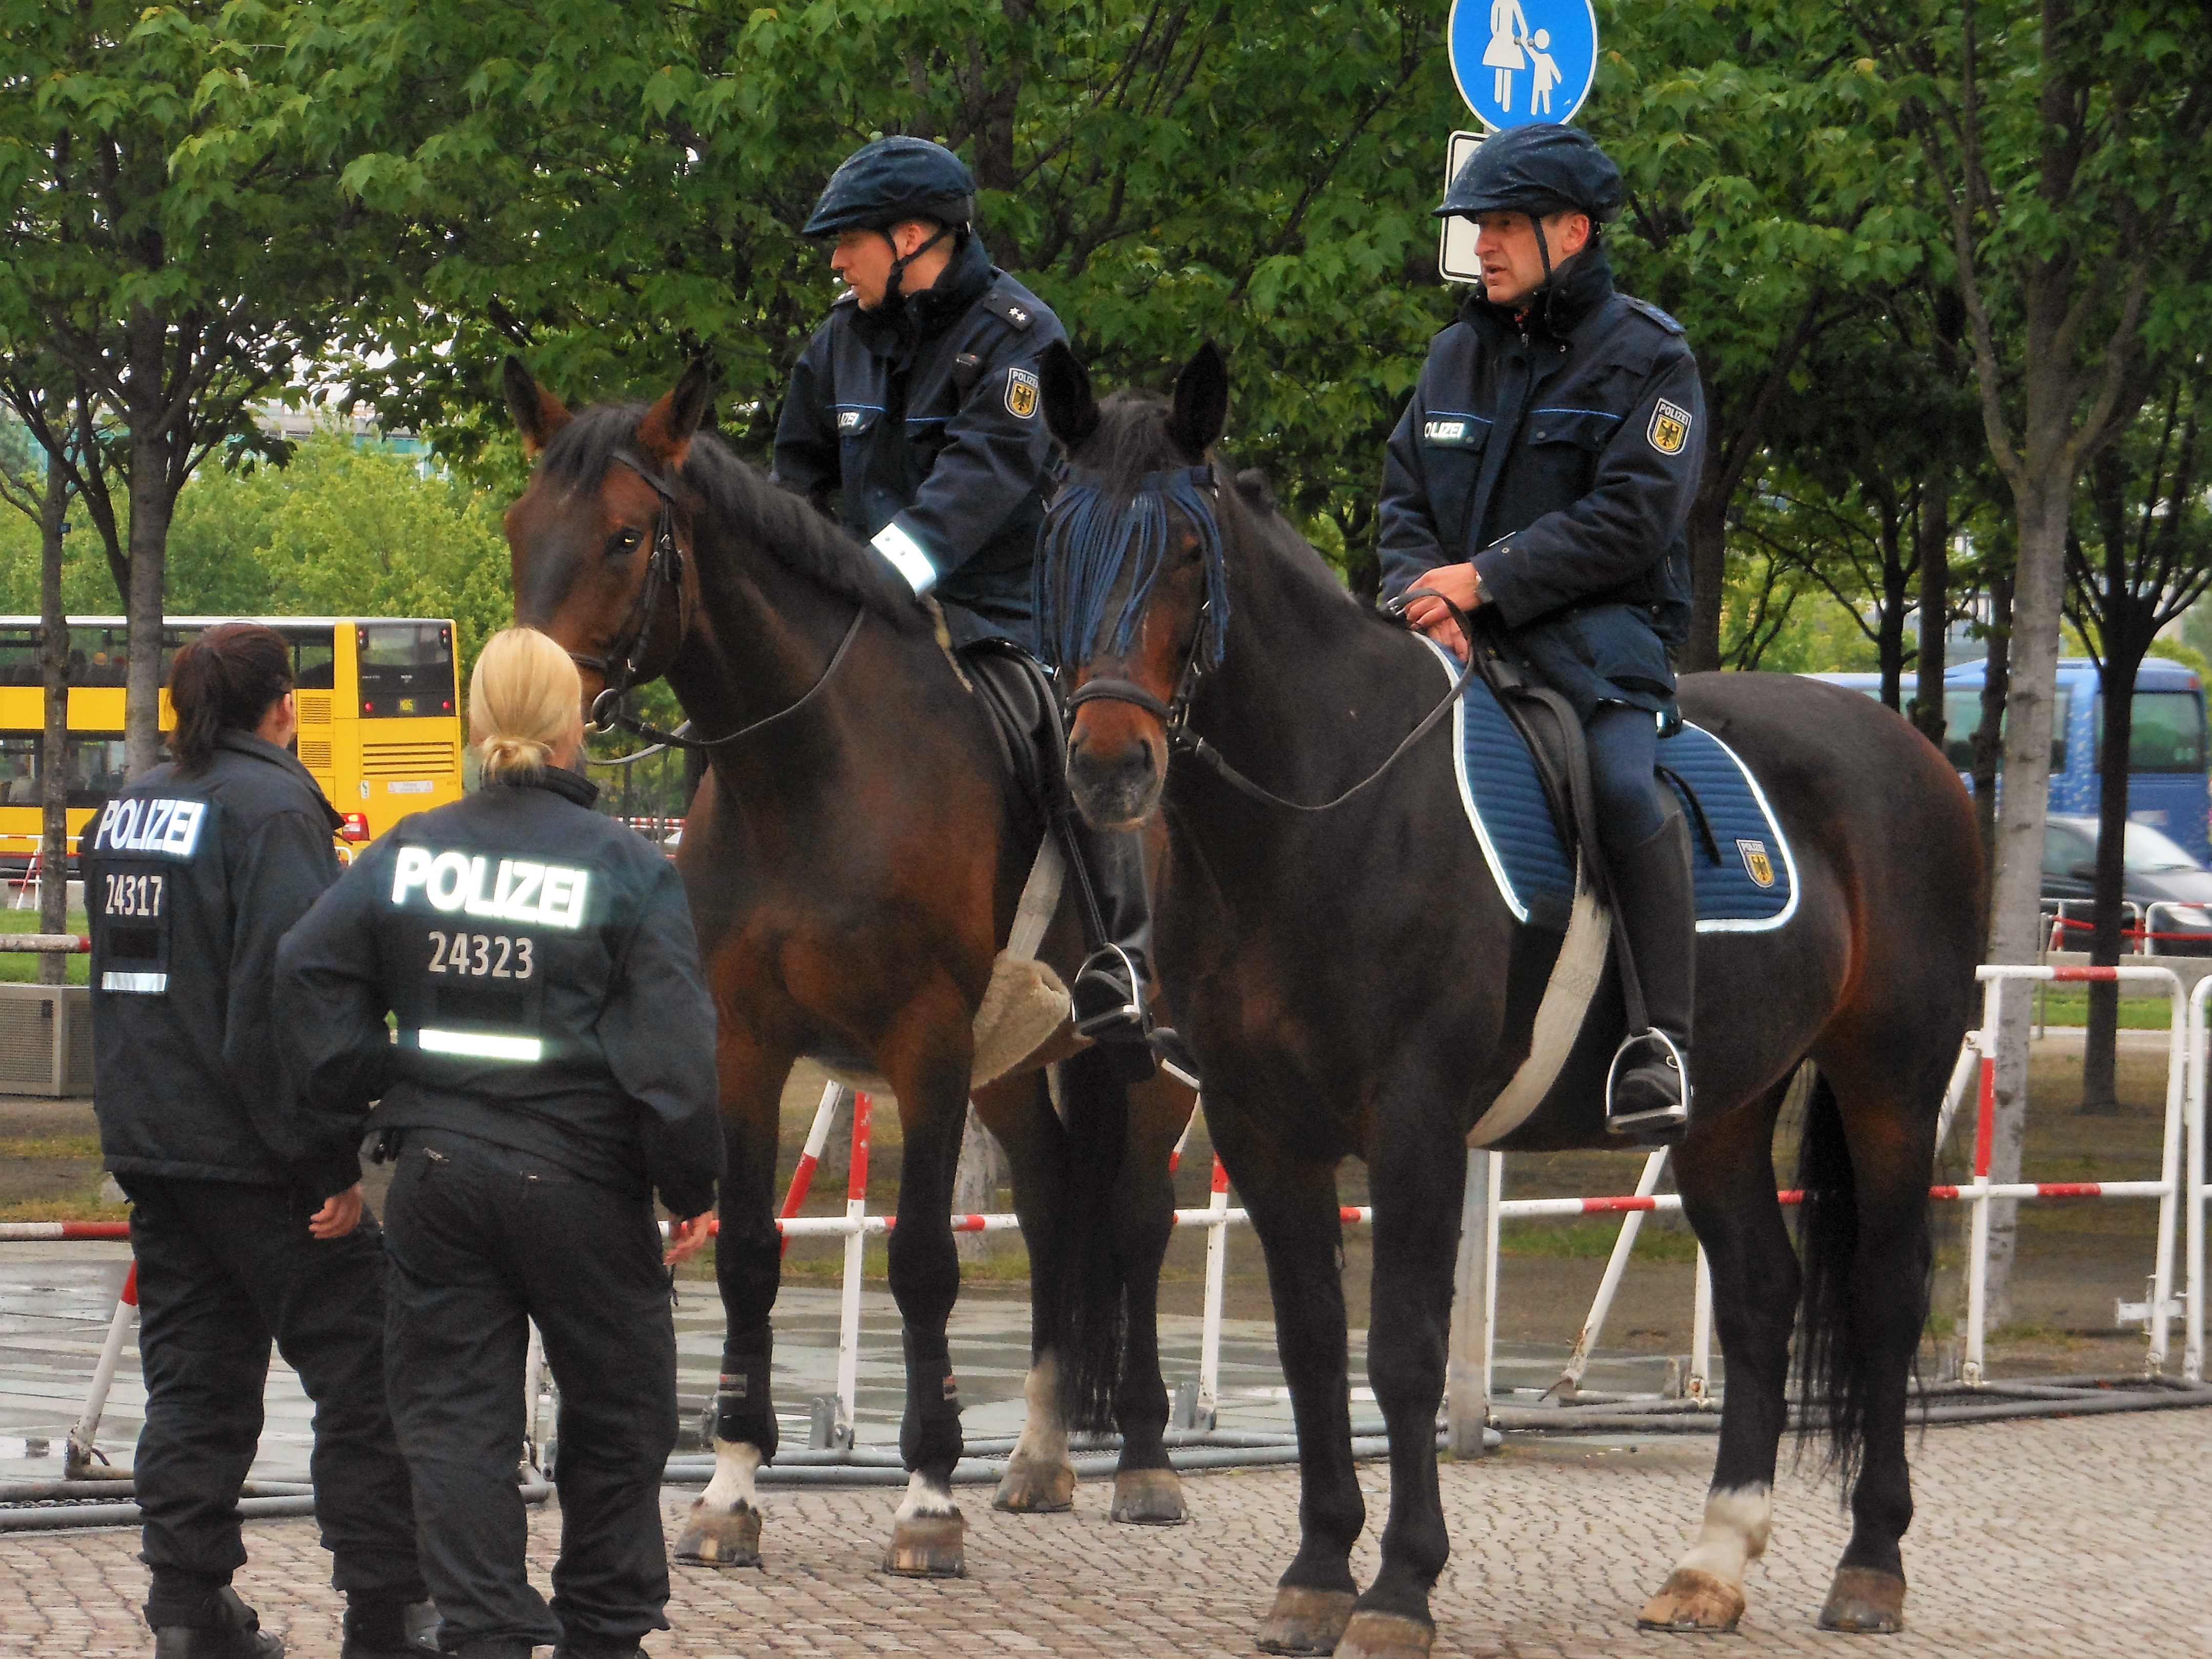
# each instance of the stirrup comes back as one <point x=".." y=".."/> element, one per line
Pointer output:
<point x="1126" y="1020"/>
<point x="1665" y="1123"/>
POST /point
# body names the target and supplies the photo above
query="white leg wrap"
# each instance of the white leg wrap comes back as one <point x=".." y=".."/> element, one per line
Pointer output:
<point x="926" y="1497"/>
<point x="1737" y="1522"/>
<point x="1044" y="1433"/>
<point x="732" y="1484"/>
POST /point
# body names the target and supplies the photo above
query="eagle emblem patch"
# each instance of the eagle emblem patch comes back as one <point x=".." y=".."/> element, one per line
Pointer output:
<point x="1021" y="394"/>
<point x="1670" y="428"/>
<point x="1756" y="864"/>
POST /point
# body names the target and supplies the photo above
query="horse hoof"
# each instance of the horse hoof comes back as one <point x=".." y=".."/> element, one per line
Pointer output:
<point x="929" y="1546"/>
<point x="1865" y="1602"/>
<point x="1694" y="1601"/>
<point x="1306" y="1621"/>
<point x="1386" y="1635"/>
<point x="1035" y="1487"/>
<point x="1149" y="1498"/>
<point x="720" y="1537"/>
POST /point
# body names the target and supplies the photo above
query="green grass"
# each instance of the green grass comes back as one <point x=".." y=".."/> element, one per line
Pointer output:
<point x="1592" y="1238"/>
<point x="50" y="1146"/>
<point x="22" y="967"/>
<point x="2069" y="1006"/>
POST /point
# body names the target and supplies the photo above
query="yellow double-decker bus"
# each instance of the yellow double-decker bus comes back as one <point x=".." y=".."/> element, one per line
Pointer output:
<point x="379" y="722"/>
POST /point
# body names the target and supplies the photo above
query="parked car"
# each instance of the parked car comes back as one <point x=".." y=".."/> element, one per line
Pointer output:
<point x="2154" y="870"/>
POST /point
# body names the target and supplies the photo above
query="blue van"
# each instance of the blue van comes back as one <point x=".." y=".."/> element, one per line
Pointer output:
<point x="2167" y="748"/>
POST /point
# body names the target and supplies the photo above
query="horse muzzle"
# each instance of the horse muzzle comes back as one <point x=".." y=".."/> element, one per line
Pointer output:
<point x="1116" y="784"/>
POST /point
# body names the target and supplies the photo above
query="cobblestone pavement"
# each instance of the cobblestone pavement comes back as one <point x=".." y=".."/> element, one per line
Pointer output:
<point x="2047" y="1538"/>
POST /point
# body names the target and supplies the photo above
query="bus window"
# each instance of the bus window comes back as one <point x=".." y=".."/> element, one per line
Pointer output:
<point x="405" y="668"/>
<point x="96" y="767"/>
<point x="19" y="656"/>
<point x="98" y="655"/>
<point x="2167" y="734"/>
<point x="1962" y="717"/>
<point x="19" y="771"/>
<point x="315" y="659"/>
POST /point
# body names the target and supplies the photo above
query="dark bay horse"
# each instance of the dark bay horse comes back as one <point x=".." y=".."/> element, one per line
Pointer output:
<point x="854" y="859"/>
<point x="1353" y="984"/>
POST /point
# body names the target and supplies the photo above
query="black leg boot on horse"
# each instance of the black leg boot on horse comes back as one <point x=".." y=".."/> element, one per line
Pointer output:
<point x="1657" y="914"/>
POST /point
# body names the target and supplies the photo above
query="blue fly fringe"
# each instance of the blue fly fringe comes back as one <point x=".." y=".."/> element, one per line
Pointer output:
<point x="1094" y="545"/>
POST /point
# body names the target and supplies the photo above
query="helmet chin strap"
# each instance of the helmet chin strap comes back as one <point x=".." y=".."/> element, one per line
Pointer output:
<point x="894" y="292"/>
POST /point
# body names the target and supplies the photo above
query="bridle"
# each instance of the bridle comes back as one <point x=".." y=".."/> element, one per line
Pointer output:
<point x="1174" y="715"/>
<point x="664" y="574"/>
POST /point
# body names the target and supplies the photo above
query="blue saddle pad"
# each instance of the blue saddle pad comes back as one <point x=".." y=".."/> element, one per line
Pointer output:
<point x="1752" y="887"/>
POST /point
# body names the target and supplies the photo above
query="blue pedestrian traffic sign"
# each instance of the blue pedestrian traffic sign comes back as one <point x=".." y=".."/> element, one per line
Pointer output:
<point x="1519" y="61"/>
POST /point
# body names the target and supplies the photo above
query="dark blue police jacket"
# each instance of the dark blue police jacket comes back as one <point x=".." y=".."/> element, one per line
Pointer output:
<point x="929" y="413"/>
<point x="1557" y="449"/>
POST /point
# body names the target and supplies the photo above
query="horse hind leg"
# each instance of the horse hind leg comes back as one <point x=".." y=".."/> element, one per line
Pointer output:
<point x="1725" y="1172"/>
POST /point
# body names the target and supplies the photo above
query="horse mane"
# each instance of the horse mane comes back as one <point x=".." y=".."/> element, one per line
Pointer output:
<point x="735" y="495"/>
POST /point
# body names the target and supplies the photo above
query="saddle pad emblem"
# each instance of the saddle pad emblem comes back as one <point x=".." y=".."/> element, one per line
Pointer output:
<point x="1756" y="864"/>
<point x="1670" y="428"/>
<point x="1021" y="394"/>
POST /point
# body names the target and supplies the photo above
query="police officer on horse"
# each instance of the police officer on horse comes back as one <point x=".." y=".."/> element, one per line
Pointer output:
<point x="916" y="404"/>
<point x="1543" y="472"/>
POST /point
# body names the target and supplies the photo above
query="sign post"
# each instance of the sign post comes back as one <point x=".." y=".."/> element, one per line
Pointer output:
<point x="1515" y="62"/>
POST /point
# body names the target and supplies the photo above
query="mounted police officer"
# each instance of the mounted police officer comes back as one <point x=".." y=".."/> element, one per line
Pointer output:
<point x="917" y="405"/>
<point x="247" y="1216"/>
<point x="554" y="1065"/>
<point x="1545" y="470"/>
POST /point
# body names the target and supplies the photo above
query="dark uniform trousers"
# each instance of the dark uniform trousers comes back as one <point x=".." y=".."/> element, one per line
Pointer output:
<point x="481" y="1240"/>
<point x="222" y="1267"/>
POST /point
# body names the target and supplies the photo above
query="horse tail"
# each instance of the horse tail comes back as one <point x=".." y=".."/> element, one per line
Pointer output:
<point x="1833" y="1374"/>
<point x="1092" y="1327"/>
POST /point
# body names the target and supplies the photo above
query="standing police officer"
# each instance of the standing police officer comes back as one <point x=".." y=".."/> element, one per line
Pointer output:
<point x="246" y="1214"/>
<point x="917" y="404"/>
<point x="554" y="1064"/>
<point x="1546" y="468"/>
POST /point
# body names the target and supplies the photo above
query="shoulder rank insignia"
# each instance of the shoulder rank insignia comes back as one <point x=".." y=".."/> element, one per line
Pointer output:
<point x="1756" y="864"/>
<point x="1669" y="431"/>
<point x="1021" y="394"/>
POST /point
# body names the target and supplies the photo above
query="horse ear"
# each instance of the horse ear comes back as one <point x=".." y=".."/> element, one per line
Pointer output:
<point x="666" y="430"/>
<point x="536" y="411"/>
<point x="1201" y="403"/>
<point x="1071" y="413"/>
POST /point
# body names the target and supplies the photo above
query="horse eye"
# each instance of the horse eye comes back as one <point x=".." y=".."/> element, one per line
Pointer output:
<point x="623" y="542"/>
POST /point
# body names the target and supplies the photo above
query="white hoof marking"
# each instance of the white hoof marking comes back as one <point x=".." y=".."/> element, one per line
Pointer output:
<point x="735" y="1460"/>
<point x="926" y="1497"/>
<point x="1738" y="1520"/>
<point x="1044" y="1433"/>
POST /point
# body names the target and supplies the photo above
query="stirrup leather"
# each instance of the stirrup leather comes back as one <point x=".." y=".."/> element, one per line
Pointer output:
<point x="1636" y="1047"/>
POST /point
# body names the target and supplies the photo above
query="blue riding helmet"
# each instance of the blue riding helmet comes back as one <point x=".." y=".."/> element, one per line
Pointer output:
<point x="1540" y="168"/>
<point x="893" y="179"/>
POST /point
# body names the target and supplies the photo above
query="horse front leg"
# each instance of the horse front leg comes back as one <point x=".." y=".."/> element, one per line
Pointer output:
<point x="1040" y="1478"/>
<point x="1725" y="1172"/>
<point x="928" y="1062"/>
<point x="1146" y="1492"/>
<point x="723" y="1529"/>
<point x="1418" y="1175"/>
<point x="1293" y="1207"/>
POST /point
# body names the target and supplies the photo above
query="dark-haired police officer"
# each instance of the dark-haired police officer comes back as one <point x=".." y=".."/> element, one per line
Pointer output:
<point x="1545" y="468"/>
<point x="917" y="405"/>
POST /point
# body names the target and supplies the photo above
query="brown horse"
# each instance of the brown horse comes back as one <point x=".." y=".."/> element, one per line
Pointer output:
<point x="1354" y="984"/>
<point x="855" y="858"/>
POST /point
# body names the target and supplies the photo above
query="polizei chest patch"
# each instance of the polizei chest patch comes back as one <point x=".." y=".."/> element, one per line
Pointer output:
<point x="495" y="888"/>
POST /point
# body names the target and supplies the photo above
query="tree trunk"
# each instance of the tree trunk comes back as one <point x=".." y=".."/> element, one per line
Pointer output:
<point x="2101" y="1042"/>
<point x="1889" y="643"/>
<point x="1932" y="534"/>
<point x="975" y="1188"/>
<point x="152" y="500"/>
<point x="2016" y="892"/>
<point x="53" y="757"/>
<point x="1707" y="532"/>
<point x="1996" y="681"/>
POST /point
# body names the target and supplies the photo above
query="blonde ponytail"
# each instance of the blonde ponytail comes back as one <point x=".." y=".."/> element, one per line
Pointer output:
<point x="525" y="698"/>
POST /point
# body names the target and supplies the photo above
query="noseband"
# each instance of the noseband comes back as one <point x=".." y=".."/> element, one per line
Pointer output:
<point x="664" y="571"/>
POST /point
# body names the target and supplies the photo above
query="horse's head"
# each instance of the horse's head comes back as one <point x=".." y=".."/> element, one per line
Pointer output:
<point x="601" y="539"/>
<point x="1132" y="585"/>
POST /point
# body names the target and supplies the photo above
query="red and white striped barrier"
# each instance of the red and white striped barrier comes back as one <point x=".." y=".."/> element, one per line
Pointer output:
<point x="23" y="1231"/>
<point x="51" y="944"/>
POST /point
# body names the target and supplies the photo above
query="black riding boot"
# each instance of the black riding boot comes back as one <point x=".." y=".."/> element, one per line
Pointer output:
<point x="1649" y="1095"/>
<point x="191" y="1622"/>
<point x="1111" y="1008"/>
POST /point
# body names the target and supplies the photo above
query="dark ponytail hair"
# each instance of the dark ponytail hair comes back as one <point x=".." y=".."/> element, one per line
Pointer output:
<point x="228" y="678"/>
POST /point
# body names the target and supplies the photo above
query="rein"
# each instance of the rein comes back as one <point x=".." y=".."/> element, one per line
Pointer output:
<point x="664" y="570"/>
<point x="1174" y="715"/>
